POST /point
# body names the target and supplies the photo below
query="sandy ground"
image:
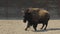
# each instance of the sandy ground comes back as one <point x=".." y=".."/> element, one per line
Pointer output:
<point x="17" y="27"/>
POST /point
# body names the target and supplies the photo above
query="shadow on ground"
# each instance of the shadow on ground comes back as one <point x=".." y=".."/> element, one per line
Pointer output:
<point x="50" y="29"/>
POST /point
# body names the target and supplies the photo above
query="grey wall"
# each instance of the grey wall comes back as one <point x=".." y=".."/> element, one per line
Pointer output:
<point x="12" y="8"/>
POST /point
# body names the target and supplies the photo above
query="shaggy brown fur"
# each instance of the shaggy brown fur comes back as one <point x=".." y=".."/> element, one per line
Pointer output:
<point x="35" y="16"/>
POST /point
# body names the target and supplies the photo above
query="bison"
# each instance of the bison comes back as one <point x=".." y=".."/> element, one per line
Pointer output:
<point x="36" y="16"/>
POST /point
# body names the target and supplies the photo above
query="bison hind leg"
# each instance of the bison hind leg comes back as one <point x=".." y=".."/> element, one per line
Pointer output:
<point x="46" y="25"/>
<point x="42" y="26"/>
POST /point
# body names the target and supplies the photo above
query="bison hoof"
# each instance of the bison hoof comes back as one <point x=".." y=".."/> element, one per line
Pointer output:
<point x="25" y="29"/>
<point x="41" y="28"/>
<point x="45" y="29"/>
<point x="35" y="30"/>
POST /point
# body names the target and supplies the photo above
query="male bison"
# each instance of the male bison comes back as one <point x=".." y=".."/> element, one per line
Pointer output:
<point x="35" y="16"/>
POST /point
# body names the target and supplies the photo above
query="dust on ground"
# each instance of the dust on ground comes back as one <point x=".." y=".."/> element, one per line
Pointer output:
<point x="17" y="27"/>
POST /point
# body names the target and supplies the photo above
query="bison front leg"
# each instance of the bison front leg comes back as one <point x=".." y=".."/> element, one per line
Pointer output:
<point x="28" y="25"/>
<point x="35" y="26"/>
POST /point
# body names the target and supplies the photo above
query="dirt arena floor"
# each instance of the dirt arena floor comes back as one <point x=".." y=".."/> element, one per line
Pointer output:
<point x="17" y="27"/>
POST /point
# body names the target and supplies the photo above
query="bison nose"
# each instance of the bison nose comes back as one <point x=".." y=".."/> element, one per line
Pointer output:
<point x="24" y="21"/>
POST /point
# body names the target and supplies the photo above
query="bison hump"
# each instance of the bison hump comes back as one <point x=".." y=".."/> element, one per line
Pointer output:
<point x="43" y="13"/>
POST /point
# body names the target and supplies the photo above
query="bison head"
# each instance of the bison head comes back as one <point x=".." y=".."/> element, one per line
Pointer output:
<point x="27" y="16"/>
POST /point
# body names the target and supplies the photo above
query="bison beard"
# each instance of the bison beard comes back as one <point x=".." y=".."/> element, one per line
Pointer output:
<point x="34" y="18"/>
